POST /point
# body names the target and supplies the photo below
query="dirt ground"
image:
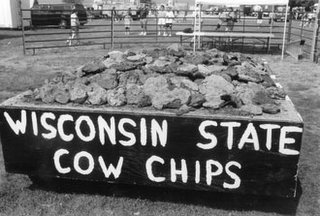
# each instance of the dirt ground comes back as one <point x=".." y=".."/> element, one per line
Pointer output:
<point x="19" y="196"/>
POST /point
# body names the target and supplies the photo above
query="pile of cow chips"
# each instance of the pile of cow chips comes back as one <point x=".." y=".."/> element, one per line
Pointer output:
<point x="169" y="78"/>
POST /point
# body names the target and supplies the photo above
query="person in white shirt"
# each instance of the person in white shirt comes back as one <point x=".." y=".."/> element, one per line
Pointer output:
<point x="169" y="20"/>
<point x="127" y="23"/>
<point x="310" y="17"/>
<point x="222" y="18"/>
<point x="74" y="24"/>
<point x="161" y="20"/>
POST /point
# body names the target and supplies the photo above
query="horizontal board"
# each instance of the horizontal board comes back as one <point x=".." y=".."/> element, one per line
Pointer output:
<point x="210" y="153"/>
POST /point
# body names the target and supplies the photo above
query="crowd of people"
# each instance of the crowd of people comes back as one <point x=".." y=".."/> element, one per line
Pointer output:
<point x="165" y="17"/>
<point x="307" y="18"/>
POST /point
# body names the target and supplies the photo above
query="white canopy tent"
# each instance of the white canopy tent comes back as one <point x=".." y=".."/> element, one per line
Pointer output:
<point x="252" y="2"/>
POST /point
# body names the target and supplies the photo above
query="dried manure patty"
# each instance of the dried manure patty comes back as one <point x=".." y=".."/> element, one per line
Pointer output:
<point x="169" y="79"/>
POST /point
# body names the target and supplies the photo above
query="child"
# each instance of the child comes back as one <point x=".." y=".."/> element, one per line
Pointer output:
<point x="127" y="23"/>
<point x="143" y="15"/>
<point x="74" y="23"/>
<point x="161" y="20"/>
<point x="169" y="21"/>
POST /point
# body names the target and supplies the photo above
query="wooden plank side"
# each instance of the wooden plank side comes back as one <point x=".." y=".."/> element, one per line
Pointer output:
<point x="165" y="151"/>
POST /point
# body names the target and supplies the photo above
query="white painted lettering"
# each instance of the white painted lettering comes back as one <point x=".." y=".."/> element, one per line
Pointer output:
<point x="250" y="131"/>
<point x="57" y="164"/>
<point x="210" y="173"/>
<point x="284" y="140"/>
<point x="157" y="131"/>
<point x="34" y="123"/>
<point x="183" y="171"/>
<point x="197" y="172"/>
<point x="52" y="130"/>
<point x="207" y="135"/>
<point x="89" y="123"/>
<point x="110" y="129"/>
<point x="115" y="171"/>
<point x="61" y="120"/>
<point x="269" y="128"/>
<point x="20" y="125"/>
<point x="149" y="164"/>
<point x="235" y="177"/>
<point x="76" y="163"/>
<point x="132" y="139"/>
<point x="143" y="132"/>
<point x="230" y="126"/>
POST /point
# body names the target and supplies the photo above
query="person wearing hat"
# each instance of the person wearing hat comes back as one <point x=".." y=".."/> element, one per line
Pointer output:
<point x="74" y="24"/>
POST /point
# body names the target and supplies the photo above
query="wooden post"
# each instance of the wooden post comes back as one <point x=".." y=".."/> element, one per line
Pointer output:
<point x="301" y="30"/>
<point x="200" y="26"/>
<point x="284" y="31"/>
<point x="157" y="28"/>
<point x="112" y="28"/>
<point x="243" y="27"/>
<point x="289" y="27"/>
<point x="22" y="29"/>
<point x="315" y="34"/>
<point x="194" y="29"/>
<point x="271" y="28"/>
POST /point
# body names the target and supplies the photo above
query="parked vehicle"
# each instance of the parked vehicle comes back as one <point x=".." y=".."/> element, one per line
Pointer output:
<point x="56" y="14"/>
<point x="94" y="14"/>
<point x="280" y="17"/>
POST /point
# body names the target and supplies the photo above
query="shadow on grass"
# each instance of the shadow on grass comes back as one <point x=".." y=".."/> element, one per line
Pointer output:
<point x="9" y="34"/>
<point x="226" y="201"/>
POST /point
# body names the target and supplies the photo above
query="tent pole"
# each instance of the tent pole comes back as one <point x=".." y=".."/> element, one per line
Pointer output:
<point x="315" y="32"/>
<point x="199" y="26"/>
<point x="194" y="28"/>
<point x="284" y="31"/>
<point x="271" y="24"/>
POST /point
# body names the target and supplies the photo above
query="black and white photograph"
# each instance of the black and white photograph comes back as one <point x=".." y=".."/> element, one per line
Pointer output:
<point x="159" y="107"/>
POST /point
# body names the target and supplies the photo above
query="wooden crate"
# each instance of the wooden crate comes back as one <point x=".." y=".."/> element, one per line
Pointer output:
<point x="197" y="151"/>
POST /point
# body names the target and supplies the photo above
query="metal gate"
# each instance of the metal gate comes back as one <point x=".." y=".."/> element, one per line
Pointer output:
<point x="303" y="38"/>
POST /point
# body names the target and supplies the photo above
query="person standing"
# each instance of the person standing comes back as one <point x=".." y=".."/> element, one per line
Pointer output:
<point x="185" y="16"/>
<point x="169" y="21"/>
<point x="74" y="24"/>
<point x="310" y="17"/>
<point x="114" y="14"/>
<point x="259" y="18"/>
<point x="127" y="23"/>
<point x="161" y="20"/>
<point x="303" y="19"/>
<point x="143" y="15"/>
<point x="230" y="19"/>
<point x="271" y="17"/>
<point x="223" y="15"/>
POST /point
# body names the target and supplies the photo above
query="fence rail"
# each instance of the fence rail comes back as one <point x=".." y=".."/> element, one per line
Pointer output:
<point x="109" y="31"/>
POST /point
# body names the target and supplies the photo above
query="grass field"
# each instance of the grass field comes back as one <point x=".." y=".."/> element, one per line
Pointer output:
<point x="19" y="196"/>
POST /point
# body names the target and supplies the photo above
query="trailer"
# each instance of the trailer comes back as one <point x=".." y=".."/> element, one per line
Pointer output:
<point x="10" y="13"/>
